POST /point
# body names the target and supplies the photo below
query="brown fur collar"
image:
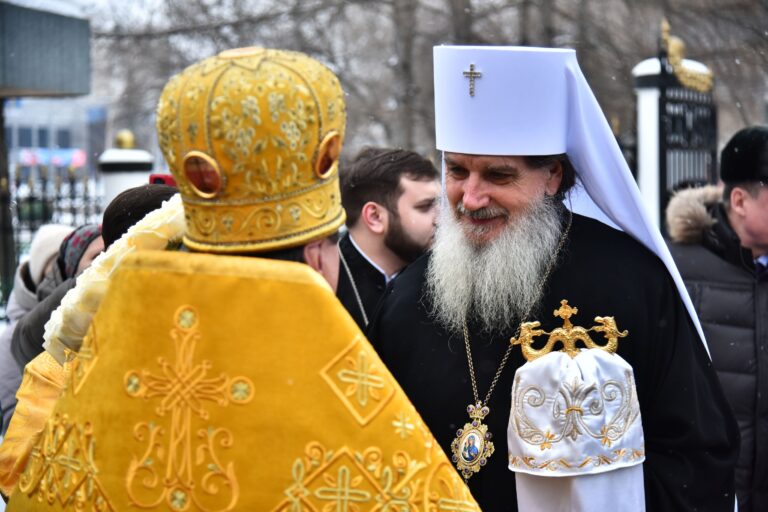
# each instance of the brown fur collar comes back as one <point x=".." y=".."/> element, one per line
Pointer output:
<point x="688" y="216"/>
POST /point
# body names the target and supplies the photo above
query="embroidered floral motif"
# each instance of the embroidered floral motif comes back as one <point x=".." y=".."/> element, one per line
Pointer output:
<point x="167" y="120"/>
<point x="61" y="467"/>
<point x="180" y="470"/>
<point x="359" y="382"/>
<point x="617" y="456"/>
<point x="404" y="427"/>
<point x="292" y="134"/>
<point x="251" y="109"/>
<point x="276" y="103"/>
<point x="548" y="437"/>
<point x="194" y="92"/>
<point x="345" y="480"/>
<point x="575" y="401"/>
<point x="81" y="363"/>
<point x="192" y="129"/>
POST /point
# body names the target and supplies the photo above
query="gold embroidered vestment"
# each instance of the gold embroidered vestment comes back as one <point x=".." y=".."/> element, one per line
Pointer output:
<point x="233" y="384"/>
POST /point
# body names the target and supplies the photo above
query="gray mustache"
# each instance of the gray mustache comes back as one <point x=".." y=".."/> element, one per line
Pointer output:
<point x="482" y="213"/>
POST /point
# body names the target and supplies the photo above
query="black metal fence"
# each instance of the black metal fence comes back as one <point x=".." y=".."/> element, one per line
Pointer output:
<point x="687" y="137"/>
<point x="42" y="195"/>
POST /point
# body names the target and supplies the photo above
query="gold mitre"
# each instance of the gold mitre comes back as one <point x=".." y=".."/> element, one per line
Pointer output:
<point x="252" y="137"/>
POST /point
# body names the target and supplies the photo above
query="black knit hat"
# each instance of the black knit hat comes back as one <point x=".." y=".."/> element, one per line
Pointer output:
<point x="745" y="157"/>
<point x="130" y="206"/>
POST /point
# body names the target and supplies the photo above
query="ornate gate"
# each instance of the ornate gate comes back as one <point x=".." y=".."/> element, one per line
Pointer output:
<point x="687" y="123"/>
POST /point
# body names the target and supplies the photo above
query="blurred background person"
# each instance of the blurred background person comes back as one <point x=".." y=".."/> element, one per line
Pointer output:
<point x="23" y="298"/>
<point x="76" y="253"/>
<point x="390" y="196"/>
<point x="720" y="244"/>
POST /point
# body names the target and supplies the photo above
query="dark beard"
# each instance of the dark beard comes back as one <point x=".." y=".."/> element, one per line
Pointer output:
<point x="400" y="243"/>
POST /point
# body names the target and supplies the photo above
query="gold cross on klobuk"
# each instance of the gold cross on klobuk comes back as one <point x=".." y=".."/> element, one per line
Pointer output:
<point x="472" y="75"/>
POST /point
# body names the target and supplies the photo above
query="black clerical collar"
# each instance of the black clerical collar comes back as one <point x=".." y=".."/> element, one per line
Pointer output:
<point x="387" y="278"/>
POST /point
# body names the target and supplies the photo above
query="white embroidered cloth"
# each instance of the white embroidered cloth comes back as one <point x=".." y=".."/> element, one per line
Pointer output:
<point x="578" y="419"/>
<point x="574" y="416"/>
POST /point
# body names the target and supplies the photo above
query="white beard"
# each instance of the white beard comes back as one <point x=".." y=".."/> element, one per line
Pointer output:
<point x="498" y="283"/>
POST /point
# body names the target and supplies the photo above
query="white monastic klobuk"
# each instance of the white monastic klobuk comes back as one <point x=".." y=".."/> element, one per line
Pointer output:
<point x="536" y="101"/>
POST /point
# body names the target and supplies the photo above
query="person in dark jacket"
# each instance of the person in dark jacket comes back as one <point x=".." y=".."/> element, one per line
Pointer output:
<point x="76" y="252"/>
<point x="720" y="244"/>
<point x="390" y="196"/>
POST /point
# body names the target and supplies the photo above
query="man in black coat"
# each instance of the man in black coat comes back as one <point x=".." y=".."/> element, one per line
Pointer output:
<point x="390" y="196"/>
<point x="720" y="244"/>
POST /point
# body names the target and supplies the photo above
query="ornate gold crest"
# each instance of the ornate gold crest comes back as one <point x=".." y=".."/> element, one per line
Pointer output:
<point x="568" y="334"/>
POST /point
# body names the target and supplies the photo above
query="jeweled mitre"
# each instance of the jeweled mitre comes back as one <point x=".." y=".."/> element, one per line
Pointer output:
<point x="252" y="137"/>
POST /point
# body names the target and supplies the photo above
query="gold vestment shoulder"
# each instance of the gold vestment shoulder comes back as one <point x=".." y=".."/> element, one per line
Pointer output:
<point x="229" y="383"/>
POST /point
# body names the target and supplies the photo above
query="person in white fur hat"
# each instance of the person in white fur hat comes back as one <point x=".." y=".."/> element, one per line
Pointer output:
<point x="630" y="415"/>
<point x="23" y="297"/>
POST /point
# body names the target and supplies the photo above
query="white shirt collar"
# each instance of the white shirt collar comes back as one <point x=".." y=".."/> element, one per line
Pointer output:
<point x="763" y="260"/>
<point x="387" y="278"/>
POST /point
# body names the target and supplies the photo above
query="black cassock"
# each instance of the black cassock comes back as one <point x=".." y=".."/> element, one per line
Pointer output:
<point x="691" y="437"/>
<point x="370" y="283"/>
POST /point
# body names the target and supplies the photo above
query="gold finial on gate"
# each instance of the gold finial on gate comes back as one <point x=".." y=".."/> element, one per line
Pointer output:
<point x="125" y="140"/>
<point x="700" y="81"/>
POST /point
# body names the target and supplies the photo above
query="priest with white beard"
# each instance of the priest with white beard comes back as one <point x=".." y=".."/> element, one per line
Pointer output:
<point x="542" y="239"/>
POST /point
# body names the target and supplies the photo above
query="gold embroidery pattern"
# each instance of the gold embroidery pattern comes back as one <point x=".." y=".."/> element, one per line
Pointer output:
<point x="183" y="471"/>
<point x="573" y="402"/>
<point x="568" y="334"/>
<point x="446" y="492"/>
<point x="83" y="361"/>
<point x="348" y="481"/>
<point x="617" y="456"/>
<point x="61" y="468"/>
<point x="275" y="216"/>
<point x="404" y="427"/>
<point x="362" y="385"/>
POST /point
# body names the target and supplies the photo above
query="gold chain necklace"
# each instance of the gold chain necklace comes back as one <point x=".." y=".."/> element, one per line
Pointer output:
<point x="473" y="446"/>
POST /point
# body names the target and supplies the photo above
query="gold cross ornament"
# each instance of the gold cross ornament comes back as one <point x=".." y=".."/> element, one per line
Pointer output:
<point x="472" y="75"/>
<point x="180" y="464"/>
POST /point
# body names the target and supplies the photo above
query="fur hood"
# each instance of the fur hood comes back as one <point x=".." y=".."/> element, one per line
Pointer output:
<point x="689" y="213"/>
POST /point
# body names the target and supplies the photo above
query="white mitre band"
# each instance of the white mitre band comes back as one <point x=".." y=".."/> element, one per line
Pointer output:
<point x="523" y="101"/>
<point x="574" y="416"/>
